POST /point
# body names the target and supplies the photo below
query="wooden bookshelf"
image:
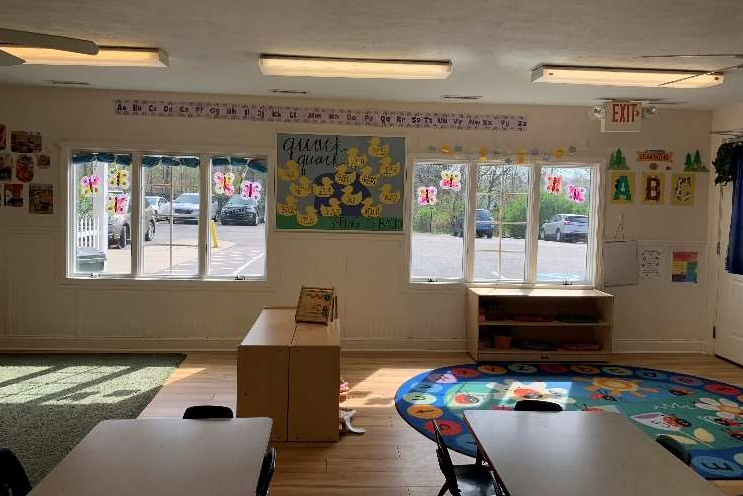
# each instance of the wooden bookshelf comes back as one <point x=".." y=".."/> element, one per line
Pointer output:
<point x="502" y="304"/>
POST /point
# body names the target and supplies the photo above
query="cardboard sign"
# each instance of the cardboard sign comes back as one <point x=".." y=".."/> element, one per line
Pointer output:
<point x="653" y="188"/>
<point x="682" y="189"/>
<point x="622" y="117"/>
<point x="622" y="187"/>
<point x="654" y="156"/>
<point x="316" y="305"/>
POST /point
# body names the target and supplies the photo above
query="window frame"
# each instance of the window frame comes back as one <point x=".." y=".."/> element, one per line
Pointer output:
<point x="595" y="228"/>
<point x="137" y="150"/>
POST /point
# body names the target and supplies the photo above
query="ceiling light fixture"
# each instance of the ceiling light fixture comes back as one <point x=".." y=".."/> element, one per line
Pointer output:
<point x="648" y="78"/>
<point x="287" y="65"/>
<point x="107" y="56"/>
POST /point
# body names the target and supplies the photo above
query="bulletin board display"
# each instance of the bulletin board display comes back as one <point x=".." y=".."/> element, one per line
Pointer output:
<point x="331" y="182"/>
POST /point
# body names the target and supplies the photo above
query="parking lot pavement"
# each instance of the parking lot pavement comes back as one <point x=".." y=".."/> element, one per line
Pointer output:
<point x="439" y="256"/>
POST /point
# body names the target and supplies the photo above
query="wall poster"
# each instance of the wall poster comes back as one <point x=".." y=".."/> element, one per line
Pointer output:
<point x="334" y="182"/>
<point x="653" y="187"/>
<point x="650" y="262"/>
<point x="685" y="266"/>
<point x="622" y="187"/>
<point x="682" y="189"/>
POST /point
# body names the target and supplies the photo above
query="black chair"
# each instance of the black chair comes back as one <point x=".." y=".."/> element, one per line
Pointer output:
<point x="463" y="480"/>
<point x="13" y="478"/>
<point x="207" y="412"/>
<point x="674" y="447"/>
<point x="536" y="406"/>
<point x="267" y="469"/>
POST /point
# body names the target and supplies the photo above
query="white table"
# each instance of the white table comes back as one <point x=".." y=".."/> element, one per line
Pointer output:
<point x="579" y="454"/>
<point x="160" y="457"/>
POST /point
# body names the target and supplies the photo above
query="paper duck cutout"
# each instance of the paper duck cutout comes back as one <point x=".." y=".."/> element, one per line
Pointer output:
<point x="289" y="208"/>
<point x="343" y="177"/>
<point x="325" y="190"/>
<point x="559" y="153"/>
<point x="302" y="189"/>
<point x="332" y="210"/>
<point x="377" y="149"/>
<point x="290" y="172"/>
<point x="367" y="178"/>
<point x="483" y="153"/>
<point x="387" y="196"/>
<point x="387" y="168"/>
<point x="309" y="218"/>
<point x="349" y="197"/>
<point x="354" y="160"/>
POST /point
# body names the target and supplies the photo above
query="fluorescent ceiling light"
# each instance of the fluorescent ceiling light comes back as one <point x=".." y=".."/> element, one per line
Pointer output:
<point x="286" y="65"/>
<point x="107" y="56"/>
<point x="648" y="78"/>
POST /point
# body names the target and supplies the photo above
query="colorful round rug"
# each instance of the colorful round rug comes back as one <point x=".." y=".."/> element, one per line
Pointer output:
<point x="706" y="416"/>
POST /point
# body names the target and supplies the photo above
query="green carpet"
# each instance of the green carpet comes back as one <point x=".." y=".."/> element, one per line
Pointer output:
<point x="49" y="402"/>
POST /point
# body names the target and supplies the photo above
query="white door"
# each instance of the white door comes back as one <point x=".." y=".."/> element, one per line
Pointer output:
<point x="729" y="321"/>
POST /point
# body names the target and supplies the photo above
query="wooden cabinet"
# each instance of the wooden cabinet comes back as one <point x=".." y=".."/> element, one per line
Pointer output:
<point x="502" y="305"/>
<point x="290" y="372"/>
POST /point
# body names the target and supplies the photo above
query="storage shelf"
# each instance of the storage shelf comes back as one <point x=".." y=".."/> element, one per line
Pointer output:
<point x="519" y="351"/>
<point x="551" y="323"/>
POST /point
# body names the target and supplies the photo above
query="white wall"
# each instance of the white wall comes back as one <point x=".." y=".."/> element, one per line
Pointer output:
<point x="379" y="309"/>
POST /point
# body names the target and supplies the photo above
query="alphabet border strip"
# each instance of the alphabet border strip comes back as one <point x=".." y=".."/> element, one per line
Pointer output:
<point x="316" y="115"/>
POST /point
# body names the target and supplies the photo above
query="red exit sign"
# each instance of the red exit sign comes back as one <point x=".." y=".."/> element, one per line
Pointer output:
<point x="622" y="117"/>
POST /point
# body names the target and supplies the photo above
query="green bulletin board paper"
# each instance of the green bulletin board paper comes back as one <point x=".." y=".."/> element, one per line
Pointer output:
<point x="334" y="182"/>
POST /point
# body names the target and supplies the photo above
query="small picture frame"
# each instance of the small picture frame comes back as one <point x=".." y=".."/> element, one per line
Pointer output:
<point x="316" y="305"/>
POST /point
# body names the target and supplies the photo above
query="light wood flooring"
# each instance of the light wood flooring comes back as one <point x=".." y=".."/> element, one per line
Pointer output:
<point x="391" y="458"/>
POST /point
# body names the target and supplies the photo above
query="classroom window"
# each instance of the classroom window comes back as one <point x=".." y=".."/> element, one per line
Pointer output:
<point x="522" y="224"/>
<point x="237" y="235"/>
<point x="438" y="214"/>
<point x="101" y="213"/>
<point x="159" y="215"/>
<point x="500" y="222"/>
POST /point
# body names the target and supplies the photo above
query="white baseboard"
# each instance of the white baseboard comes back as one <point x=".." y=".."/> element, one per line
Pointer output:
<point x="58" y="343"/>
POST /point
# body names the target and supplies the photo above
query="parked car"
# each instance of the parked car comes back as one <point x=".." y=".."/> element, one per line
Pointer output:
<point x="565" y="227"/>
<point x="484" y="225"/>
<point x="239" y="210"/>
<point x="120" y="226"/>
<point x="161" y="206"/>
<point x="185" y="207"/>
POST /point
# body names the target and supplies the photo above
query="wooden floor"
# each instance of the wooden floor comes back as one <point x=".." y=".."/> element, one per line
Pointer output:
<point x="391" y="458"/>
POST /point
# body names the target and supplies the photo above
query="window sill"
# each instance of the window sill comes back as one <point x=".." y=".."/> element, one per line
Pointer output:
<point x="174" y="284"/>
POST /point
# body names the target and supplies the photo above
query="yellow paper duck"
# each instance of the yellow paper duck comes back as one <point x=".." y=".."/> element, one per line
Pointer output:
<point x="290" y="172"/>
<point x="367" y="179"/>
<point x="387" y="196"/>
<point x="334" y="210"/>
<point x="353" y="159"/>
<point x="342" y="176"/>
<point x="288" y="208"/>
<point x="302" y="189"/>
<point x="309" y="218"/>
<point x="325" y="190"/>
<point x="387" y="168"/>
<point x="369" y="210"/>
<point x="376" y="149"/>
<point x="349" y="197"/>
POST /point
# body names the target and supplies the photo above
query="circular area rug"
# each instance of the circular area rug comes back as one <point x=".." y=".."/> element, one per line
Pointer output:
<point x="706" y="416"/>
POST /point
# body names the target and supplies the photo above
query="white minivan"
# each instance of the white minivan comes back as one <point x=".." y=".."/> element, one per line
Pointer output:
<point x="565" y="227"/>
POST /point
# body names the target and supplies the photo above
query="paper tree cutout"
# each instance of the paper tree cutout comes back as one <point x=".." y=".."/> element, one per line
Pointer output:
<point x="116" y="204"/>
<point x="251" y="189"/>
<point x="554" y="184"/>
<point x="576" y="193"/>
<point x="119" y="179"/>
<point x="223" y="183"/>
<point x="427" y="195"/>
<point x="694" y="164"/>
<point x="617" y="161"/>
<point x="90" y="184"/>
<point x="451" y="180"/>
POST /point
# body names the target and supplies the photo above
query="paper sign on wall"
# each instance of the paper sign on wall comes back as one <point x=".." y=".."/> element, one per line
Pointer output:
<point x="685" y="266"/>
<point x="682" y="189"/>
<point x="622" y="187"/>
<point x="650" y="260"/>
<point x="653" y="188"/>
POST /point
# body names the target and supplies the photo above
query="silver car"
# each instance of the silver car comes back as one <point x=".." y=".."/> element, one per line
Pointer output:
<point x="565" y="227"/>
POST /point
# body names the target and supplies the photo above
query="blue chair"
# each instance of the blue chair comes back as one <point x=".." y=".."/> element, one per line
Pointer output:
<point x="536" y="406"/>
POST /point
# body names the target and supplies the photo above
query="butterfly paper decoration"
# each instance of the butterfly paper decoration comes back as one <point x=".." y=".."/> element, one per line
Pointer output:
<point x="116" y="204"/>
<point x="576" y="193"/>
<point x="427" y="195"/>
<point x="223" y="183"/>
<point x="451" y="180"/>
<point x="119" y="178"/>
<point x="554" y="184"/>
<point x="90" y="184"/>
<point x="250" y="189"/>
